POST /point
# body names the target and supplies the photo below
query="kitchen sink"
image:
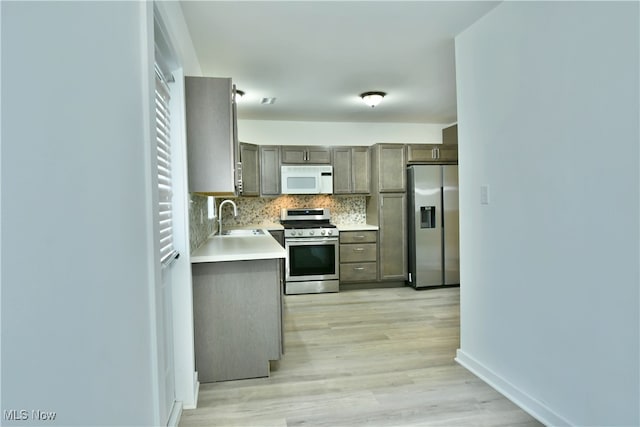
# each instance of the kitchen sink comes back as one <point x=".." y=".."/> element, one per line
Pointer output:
<point x="240" y="232"/>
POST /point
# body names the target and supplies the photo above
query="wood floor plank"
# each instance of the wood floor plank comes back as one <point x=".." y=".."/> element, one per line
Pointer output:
<point x="375" y="357"/>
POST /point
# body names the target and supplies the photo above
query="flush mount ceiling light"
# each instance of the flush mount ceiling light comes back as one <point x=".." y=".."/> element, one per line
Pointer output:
<point x="372" y="98"/>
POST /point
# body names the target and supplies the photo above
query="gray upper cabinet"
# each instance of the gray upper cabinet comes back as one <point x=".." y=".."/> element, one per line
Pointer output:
<point x="445" y="153"/>
<point x="269" y="170"/>
<point x="212" y="143"/>
<point x="388" y="168"/>
<point x="305" y="154"/>
<point x="342" y="172"/>
<point x="351" y="170"/>
<point x="432" y="153"/>
<point x="250" y="160"/>
<point x="450" y="135"/>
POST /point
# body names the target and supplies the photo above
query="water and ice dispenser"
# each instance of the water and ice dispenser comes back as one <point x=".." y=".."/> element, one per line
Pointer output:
<point x="427" y="217"/>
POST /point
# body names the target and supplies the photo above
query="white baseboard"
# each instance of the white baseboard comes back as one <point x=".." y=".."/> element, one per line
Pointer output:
<point x="196" y="391"/>
<point x="176" y="413"/>
<point x="527" y="403"/>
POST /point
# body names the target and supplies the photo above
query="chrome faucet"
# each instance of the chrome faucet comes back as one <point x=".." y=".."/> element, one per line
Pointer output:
<point x="235" y="213"/>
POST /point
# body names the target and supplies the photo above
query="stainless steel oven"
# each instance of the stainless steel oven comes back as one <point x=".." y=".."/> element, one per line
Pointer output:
<point x="311" y="241"/>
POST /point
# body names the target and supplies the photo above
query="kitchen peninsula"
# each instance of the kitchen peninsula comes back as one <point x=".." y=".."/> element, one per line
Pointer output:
<point x="237" y="301"/>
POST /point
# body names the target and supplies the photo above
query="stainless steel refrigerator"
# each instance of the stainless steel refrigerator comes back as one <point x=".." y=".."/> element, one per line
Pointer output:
<point x="433" y="225"/>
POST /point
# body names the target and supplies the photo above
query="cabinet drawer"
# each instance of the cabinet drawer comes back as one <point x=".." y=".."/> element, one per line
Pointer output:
<point x="358" y="236"/>
<point x="358" y="253"/>
<point x="362" y="272"/>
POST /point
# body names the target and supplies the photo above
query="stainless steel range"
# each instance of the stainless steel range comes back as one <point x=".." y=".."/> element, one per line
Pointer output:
<point x="312" y="246"/>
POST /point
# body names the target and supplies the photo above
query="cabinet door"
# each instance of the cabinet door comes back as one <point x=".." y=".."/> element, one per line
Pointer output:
<point x="269" y="170"/>
<point x="393" y="236"/>
<point x="432" y="153"/>
<point x="342" y="170"/>
<point x="293" y="154"/>
<point x="421" y="153"/>
<point x="450" y="135"/>
<point x="249" y="156"/>
<point x="212" y="148"/>
<point x="360" y="170"/>
<point x="391" y="164"/>
<point x="319" y="155"/>
<point x="448" y="153"/>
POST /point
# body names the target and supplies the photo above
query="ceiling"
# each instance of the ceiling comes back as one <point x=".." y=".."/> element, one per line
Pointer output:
<point x="316" y="57"/>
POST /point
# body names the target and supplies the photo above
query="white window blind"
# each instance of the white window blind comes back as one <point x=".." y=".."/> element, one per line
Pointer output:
<point x="163" y="150"/>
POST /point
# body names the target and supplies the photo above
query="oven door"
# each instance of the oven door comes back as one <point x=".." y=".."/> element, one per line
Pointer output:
<point x="311" y="259"/>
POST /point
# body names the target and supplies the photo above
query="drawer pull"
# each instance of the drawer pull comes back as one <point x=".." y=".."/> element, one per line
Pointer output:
<point x="358" y="268"/>
<point x="358" y="249"/>
<point x="359" y="237"/>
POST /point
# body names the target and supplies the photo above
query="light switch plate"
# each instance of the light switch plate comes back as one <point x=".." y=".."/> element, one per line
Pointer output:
<point x="484" y="194"/>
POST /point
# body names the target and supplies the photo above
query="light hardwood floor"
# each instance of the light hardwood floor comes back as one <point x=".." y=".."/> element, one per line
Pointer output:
<point x="380" y="357"/>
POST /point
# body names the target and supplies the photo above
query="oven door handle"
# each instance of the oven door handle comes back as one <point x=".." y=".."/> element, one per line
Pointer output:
<point x="312" y="239"/>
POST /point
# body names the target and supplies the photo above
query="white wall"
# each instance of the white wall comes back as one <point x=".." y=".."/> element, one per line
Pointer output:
<point x="178" y="33"/>
<point x="77" y="320"/>
<point x="548" y="96"/>
<point x="273" y="132"/>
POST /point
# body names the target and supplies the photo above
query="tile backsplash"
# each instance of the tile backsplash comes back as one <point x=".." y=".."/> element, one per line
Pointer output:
<point x="263" y="211"/>
<point x="200" y="227"/>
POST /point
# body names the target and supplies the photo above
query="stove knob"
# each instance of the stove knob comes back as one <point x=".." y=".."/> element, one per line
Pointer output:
<point x="323" y="232"/>
<point x="311" y="232"/>
<point x="329" y="232"/>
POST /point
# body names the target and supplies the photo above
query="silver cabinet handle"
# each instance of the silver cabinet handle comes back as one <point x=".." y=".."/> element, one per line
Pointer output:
<point x="358" y="268"/>
<point x="359" y="237"/>
<point x="358" y="249"/>
<point x="239" y="176"/>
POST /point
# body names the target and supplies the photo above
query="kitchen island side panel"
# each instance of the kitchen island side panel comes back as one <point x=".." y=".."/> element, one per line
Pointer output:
<point x="237" y="318"/>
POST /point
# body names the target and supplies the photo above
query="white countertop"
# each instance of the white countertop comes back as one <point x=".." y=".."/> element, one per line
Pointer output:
<point x="238" y="248"/>
<point x="356" y="227"/>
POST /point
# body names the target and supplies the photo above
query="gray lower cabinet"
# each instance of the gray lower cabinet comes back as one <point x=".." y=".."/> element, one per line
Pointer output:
<point x="389" y="212"/>
<point x="250" y="159"/>
<point x="269" y="170"/>
<point x="279" y="236"/>
<point x="237" y="318"/>
<point x="358" y="256"/>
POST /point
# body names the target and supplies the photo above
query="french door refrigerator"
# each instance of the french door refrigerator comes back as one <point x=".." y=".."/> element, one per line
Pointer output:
<point x="433" y="225"/>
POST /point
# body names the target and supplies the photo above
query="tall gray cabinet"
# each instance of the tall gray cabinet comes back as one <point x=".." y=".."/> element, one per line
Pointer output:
<point x="387" y="208"/>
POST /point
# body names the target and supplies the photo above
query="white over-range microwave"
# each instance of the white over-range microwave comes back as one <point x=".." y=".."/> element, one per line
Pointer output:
<point x="307" y="179"/>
